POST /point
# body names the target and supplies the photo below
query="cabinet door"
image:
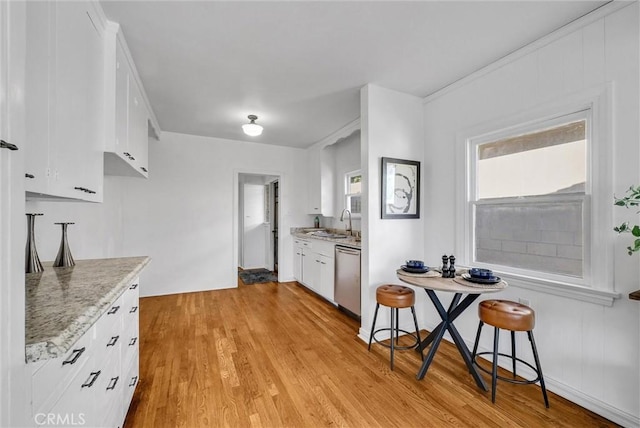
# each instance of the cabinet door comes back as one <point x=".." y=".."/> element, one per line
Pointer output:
<point x="122" y="103"/>
<point x="65" y="101"/>
<point x="37" y="93"/>
<point x="138" y="128"/>
<point x="92" y="148"/>
<point x="310" y="269"/>
<point x="297" y="262"/>
<point x="327" y="269"/>
<point x="314" y="194"/>
<point x="69" y="98"/>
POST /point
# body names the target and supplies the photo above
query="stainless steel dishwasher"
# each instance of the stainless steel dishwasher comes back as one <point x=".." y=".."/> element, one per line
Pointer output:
<point x="347" y="279"/>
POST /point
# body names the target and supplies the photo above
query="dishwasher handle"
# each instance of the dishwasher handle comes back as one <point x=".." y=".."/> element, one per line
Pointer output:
<point x="347" y="251"/>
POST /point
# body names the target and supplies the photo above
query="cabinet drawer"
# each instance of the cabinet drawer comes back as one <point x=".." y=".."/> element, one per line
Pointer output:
<point x="55" y="375"/>
<point x="110" y="322"/>
<point x="77" y="402"/>
<point x="109" y="388"/>
<point x="130" y="346"/>
<point x="131" y="307"/>
<point x="131" y="382"/>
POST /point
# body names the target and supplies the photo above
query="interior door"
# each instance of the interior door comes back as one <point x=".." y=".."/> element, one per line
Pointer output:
<point x="276" y="209"/>
<point x="254" y="238"/>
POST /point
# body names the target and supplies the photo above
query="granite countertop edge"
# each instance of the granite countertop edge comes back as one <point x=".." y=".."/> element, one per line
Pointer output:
<point x="57" y="346"/>
<point x="347" y="242"/>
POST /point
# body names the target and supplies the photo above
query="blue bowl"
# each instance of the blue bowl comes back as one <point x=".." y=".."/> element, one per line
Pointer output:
<point x="481" y="273"/>
<point x="416" y="264"/>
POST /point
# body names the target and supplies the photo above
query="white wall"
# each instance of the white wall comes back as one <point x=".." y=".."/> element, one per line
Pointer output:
<point x="184" y="216"/>
<point x="392" y="126"/>
<point x="589" y="352"/>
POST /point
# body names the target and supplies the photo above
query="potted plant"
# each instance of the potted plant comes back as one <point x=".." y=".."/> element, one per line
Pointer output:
<point x="632" y="199"/>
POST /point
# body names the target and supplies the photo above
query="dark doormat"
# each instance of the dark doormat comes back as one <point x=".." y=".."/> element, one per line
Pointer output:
<point x="254" y="276"/>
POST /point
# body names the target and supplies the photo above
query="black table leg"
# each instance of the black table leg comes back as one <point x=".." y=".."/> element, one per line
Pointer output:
<point x="448" y="316"/>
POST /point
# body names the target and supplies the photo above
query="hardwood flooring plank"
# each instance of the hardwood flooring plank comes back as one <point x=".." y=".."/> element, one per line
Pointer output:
<point x="277" y="355"/>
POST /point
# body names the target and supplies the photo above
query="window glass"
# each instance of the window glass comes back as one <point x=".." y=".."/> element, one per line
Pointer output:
<point x="529" y="209"/>
<point x="353" y="191"/>
<point x="544" y="162"/>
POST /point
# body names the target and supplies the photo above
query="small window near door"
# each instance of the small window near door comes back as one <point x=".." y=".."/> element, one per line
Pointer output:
<point x="353" y="192"/>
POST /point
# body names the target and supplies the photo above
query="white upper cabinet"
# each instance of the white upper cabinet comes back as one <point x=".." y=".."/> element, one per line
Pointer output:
<point x="64" y="101"/>
<point x="127" y="118"/>
<point x="321" y="179"/>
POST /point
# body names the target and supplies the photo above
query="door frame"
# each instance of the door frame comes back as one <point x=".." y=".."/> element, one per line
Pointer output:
<point x="281" y="177"/>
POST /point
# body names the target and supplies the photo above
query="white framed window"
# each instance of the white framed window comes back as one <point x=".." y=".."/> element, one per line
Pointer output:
<point x="536" y="197"/>
<point x="353" y="192"/>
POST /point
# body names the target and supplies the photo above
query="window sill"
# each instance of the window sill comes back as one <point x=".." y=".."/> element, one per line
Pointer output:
<point x="591" y="295"/>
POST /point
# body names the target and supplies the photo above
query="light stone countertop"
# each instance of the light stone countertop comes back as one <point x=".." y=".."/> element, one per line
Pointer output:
<point x="348" y="242"/>
<point x="63" y="303"/>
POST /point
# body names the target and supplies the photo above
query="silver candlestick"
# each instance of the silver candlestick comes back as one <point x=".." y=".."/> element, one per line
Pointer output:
<point x="31" y="260"/>
<point x="64" y="257"/>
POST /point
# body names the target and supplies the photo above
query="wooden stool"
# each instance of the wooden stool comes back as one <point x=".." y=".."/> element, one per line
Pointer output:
<point x="512" y="316"/>
<point x="395" y="297"/>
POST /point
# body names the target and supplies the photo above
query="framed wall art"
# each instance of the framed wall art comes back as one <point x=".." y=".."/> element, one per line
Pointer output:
<point x="400" y="189"/>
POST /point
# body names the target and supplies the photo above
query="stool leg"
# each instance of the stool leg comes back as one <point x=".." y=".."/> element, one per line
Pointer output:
<point x="494" y="373"/>
<point x="373" y="327"/>
<point x="535" y="356"/>
<point x="397" y="325"/>
<point x="392" y="330"/>
<point x="415" y="321"/>
<point x="513" y="352"/>
<point x="475" y="345"/>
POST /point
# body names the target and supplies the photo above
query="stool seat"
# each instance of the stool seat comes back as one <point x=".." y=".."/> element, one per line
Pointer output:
<point x="507" y="315"/>
<point x="395" y="296"/>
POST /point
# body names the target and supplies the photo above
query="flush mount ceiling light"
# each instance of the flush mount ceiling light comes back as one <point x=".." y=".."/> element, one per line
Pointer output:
<point x="252" y="128"/>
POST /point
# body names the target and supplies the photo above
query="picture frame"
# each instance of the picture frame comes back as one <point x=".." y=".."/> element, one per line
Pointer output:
<point x="400" y="189"/>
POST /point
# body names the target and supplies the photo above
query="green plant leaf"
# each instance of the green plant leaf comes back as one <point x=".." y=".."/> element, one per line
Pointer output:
<point x="636" y="231"/>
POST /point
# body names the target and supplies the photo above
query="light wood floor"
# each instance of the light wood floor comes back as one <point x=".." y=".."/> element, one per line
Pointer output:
<point x="275" y="355"/>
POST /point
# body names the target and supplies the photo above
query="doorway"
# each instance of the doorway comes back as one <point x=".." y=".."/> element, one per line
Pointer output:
<point x="258" y="212"/>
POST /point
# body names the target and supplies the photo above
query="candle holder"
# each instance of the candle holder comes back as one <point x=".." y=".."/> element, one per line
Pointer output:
<point x="64" y="257"/>
<point x="31" y="260"/>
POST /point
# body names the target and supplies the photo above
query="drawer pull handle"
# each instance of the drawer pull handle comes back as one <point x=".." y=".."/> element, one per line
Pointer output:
<point x="77" y="353"/>
<point x="134" y="380"/>
<point x="113" y="382"/>
<point x="113" y="310"/>
<point x="82" y="189"/>
<point x="113" y="340"/>
<point x="5" y="145"/>
<point x="133" y="341"/>
<point x="27" y="175"/>
<point x="133" y="286"/>
<point x="92" y="379"/>
<point x="127" y="154"/>
<point x="144" y="169"/>
<point x="133" y="309"/>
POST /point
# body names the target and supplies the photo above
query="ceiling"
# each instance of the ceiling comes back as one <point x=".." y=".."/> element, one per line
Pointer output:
<point x="299" y="65"/>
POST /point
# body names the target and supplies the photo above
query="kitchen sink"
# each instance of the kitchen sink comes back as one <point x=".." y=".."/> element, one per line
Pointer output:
<point x="323" y="234"/>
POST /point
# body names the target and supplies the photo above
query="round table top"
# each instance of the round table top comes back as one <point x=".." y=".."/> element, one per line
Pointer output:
<point x="452" y="285"/>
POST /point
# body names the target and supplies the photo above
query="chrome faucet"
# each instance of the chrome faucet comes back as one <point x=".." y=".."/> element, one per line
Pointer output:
<point x="348" y="229"/>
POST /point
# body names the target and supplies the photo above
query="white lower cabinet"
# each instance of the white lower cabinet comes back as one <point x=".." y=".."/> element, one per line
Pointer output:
<point x="314" y="264"/>
<point x="93" y="384"/>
